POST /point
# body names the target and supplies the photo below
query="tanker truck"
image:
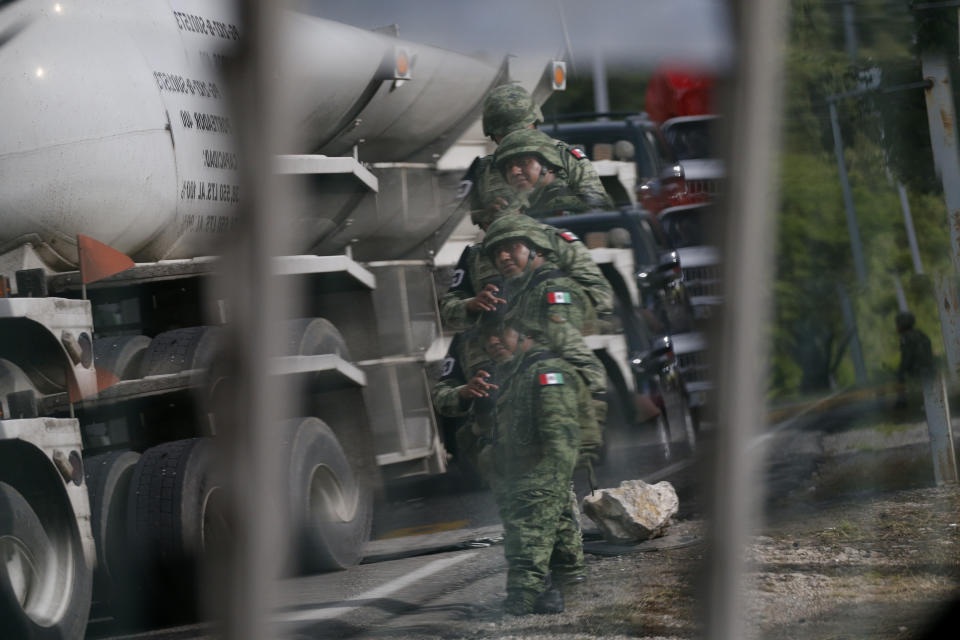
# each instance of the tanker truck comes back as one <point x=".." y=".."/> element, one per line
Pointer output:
<point x="117" y="137"/>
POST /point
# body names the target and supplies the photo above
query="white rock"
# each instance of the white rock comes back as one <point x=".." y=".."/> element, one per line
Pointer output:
<point x="634" y="511"/>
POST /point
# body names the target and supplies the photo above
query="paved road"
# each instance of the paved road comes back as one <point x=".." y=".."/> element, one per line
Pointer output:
<point x="416" y="581"/>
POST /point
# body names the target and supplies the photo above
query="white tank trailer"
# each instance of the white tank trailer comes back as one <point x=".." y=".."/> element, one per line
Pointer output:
<point x="115" y="123"/>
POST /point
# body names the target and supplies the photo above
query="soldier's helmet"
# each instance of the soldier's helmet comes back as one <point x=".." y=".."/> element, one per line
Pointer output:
<point x="527" y="142"/>
<point x="905" y="320"/>
<point x="516" y="227"/>
<point x="507" y="108"/>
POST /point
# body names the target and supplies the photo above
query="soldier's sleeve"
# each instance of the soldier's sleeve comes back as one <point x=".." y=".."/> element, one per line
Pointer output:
<point x="467" y="192"/>
<point x="562" y="298"/>
<point x="445" y="393"/>
<point x="583" y="180"/>
<point x="558" y="423"/>
<point x="574" y="258"/>
<point x="453" y="303"/>
<point x="563" y="339"/>
<point x="552" y="199"/>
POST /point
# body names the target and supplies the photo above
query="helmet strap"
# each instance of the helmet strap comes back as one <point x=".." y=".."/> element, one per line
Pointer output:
<point x="533" y="254"/>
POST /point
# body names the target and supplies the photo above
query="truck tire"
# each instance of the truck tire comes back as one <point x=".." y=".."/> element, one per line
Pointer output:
<point x="173" y="516"/>
<point x="45" y="584"/>
<point x="331" y="505"/>
<point x="120" y="355"/>
<point x="314" y="336"/>
<point x="181" y="350"/>
<point x="108" y="483"/>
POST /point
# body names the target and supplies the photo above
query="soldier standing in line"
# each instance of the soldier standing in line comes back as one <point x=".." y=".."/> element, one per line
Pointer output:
<point x="532" y="455"/>
<point x="555" y="309"/>
<point x="475" y="284"/>
<point x="510" y="108"/>
<point x="532" y="163"/>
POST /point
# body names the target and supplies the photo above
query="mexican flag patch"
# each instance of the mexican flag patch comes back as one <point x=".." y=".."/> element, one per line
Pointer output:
<point x="569" y="236"/>
<point x="558" y="297"/>
<point x="577" y="153"/>
<point x="550" y="378"/>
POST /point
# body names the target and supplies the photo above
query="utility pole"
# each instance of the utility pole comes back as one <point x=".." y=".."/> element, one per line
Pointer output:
<point x="856" y="246"/>
<point x="941" y="116"/>
<point x="908" y="224"/>
<point x="849" y="29"/>
<point x="855" y="243"/>
<point x="601" y="96"/>
<point x="943" y="139"/>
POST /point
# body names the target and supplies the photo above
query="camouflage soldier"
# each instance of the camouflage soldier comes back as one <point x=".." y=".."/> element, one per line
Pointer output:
<point x="550" y="176"/>
<point x="553" y="306"/>
<point x="476" y="282"/>
<point x="916" y="356"/>
<point x="534" y="450"/>
<point x="466" y="393"/>
<point x="506" y="108"/>
<point x="510" y="108"/>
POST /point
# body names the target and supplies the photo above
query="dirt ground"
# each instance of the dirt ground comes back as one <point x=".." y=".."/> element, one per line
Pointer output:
<point x="865" y="566"/>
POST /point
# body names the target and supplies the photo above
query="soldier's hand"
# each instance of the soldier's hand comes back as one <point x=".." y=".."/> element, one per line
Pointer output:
<point x="478" y="387"/>
<point x="486" y="300"/>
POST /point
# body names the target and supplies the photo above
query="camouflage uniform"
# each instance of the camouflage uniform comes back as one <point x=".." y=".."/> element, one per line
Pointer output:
<point x="509" y="108"/>
<point x="576" y="186"/>
<point x="506" y="108"/>
<point x="464" y="358"/>
<point x="556" y="310"/>
<point x="534" y="451"/>
<point x="475" y="270"/>
<point x="916" y="354"/>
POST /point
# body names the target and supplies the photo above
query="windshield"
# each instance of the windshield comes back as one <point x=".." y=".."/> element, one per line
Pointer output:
<point x="691" y="140"/>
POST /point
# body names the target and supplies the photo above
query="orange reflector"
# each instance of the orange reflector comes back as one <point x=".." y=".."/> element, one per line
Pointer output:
<point x="403" y="65"/>
<point x="98" y="261"/>
<point x="559" y="75"/>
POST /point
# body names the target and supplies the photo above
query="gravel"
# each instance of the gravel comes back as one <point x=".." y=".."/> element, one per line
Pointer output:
<point x="878" y="566"/>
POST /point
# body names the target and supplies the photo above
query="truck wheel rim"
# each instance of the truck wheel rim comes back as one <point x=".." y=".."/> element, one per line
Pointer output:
<point x="328" y="497"/>
<point x="21" y="569"/>
<point x="215" y="530"/>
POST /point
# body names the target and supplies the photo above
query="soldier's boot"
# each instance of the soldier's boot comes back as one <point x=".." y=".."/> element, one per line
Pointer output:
<point x="518" y="603"/>
<point x="569" y="584"/>
<point x="550" y="601"/>
<point x="563" y="581"/>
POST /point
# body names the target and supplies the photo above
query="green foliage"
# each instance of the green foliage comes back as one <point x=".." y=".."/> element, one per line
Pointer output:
<point x="885" y="137"/>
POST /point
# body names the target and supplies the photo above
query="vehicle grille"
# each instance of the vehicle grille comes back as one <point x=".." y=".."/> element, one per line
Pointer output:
<point x="707" y="186"/>
<point x="702" y="281"/>
<point x="693" y="367"/>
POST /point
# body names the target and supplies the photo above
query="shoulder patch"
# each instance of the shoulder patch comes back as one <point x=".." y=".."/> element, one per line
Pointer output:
<point x="569" y="236"/>
<point x="551" y="378"/>
<point x="577" y="153"/>
<point x="448" y="365"/>
<point x="464" y="189"/>
<point x="558" y="297"/>
<point x="555" y="318"/>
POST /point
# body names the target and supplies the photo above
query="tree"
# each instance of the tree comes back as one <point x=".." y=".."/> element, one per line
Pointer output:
<point x="881" y="131"/>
